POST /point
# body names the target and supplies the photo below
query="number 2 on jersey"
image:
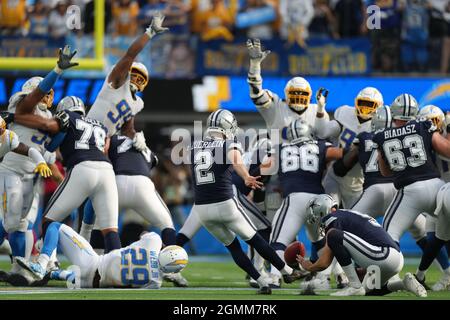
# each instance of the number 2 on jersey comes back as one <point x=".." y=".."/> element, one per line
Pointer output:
<point x="203" y="162"/>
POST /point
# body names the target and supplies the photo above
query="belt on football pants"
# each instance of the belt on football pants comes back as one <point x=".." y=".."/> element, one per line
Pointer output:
<point x="96" y="280"/>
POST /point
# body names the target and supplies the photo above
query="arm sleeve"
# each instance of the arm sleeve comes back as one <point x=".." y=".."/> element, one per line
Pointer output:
<point x="35" y="155"/>
<point x="326" y="128"/>
<point x="55" y="141"/>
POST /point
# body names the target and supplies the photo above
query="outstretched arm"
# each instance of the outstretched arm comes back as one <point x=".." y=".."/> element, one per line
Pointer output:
<point x="27" y="104"/>
<point x="260" y="97"/>
<point x="120" y="71"/>
<point x="342" y="166"/>
<point x="41" y="165"/>
<point x="37" y="122"/>
<point x="238" y="165"/>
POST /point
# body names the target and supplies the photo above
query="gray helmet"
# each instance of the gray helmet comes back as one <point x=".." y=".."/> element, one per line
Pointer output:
<point x="320" y="206"/>
<point x="382" y="118"/>
<point x="222" y="121"/>
<point x="404" y="107"/>
<point x="73" y="104"/>
<point x="299" y="130"/>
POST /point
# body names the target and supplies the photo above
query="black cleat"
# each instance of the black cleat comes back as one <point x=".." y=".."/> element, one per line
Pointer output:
<point x="295" y="275"/>
<point x="41" y="283"/>
<point x="4" y="276"/>
<point x="17" y="280"/>
<point x="264" y="290"/>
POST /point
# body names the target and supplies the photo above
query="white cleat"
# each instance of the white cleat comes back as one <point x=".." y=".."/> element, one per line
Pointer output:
<point x="275" y="280"/>
<point x="350" y="291"/>
<point x="412" y="285"/>
<point x="177" y="279"/>
<point x="442" y="284"/>
<point x="317" y="283"/>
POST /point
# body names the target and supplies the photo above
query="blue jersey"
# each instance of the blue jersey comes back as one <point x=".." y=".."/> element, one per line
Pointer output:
<point x="361" y="225"/>
<point x="408" y="152"/>
<point x="211" y="170"/>
<point x="301" y="166"/>
<point x="368" y="159"/>
<point x="128" y="161"/>
<point x="84" y="140"/>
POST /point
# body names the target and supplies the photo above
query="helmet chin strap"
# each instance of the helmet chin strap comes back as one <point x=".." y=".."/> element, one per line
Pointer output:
<point x="134" y="89"/>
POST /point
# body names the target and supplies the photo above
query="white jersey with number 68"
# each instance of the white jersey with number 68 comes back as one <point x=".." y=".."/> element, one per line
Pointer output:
<point x="114" y="107"/>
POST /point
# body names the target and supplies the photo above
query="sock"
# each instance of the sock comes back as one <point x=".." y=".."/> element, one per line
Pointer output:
<point x="395" y="284"/>
<point x="29" y="243"/>
<point x="169" y="236"/>
<point x="3" y="232"/>
<point x="241" y="259"/>
<point x="45" y="225"/>
<point x="62" y="275"/>
<point x="182" y="239"/>
<point x="97" y="241"/>
<point x="17" y="242"/>
<point x="430" y="252"/>
<point x="442" y="256"/>
<point x="51" y="239"/>
<point x="88" y="213"/>
<point x="112" y="241"/>
<point x="268" y="253"/>
<point x="43" y="260"/>
<point x="86" y="230"/>
<point x="420" y="275"/>
<point x="352" y="275"/>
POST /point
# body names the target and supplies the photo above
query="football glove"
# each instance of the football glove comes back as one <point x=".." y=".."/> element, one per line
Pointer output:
<point x="155" y="26"/>
<point x="321" y="98"/>
<point x="254" y="51"/>
<point x="63" y="119"/>
<point x="65" y="57"/>
<point x="139" y="141"/>
<point x="43" y="170"/>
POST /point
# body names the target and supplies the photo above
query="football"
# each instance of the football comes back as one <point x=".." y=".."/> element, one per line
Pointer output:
<point x="291" y="252"/>
<point x="172" y="259"/>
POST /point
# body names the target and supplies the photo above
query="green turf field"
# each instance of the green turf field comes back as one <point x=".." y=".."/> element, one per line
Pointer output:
<point x="217" y="279"/>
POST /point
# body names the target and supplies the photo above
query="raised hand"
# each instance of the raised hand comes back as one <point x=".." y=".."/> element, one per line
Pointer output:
<point x="155" y="26"/>
<point x="65" y="57"/>
<point x="254" y="50"/>
<point x="321" y="98"/>
<point x="43" y="170"/>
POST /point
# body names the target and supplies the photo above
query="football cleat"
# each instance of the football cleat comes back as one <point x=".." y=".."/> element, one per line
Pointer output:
<point x="34" y="268"/>
<point x="350" y="291"/>
<point x="342" y="281"/>
<point x="177" y="279"/>
<point x="413" y="285"/>
<point x="264" y="290"/>
<point x="295" y="275"/>
<point x="423" y="282"/>
<point x="317" y="283"/>
<point x="442" y="284"/>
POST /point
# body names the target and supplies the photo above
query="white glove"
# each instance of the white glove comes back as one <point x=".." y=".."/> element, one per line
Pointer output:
<point x="256" y="55"/>
<point x="139" y="141"/>
<point x="321" y="98"/>
<point x="155" y="26"/>
<point x="50" y="157"/>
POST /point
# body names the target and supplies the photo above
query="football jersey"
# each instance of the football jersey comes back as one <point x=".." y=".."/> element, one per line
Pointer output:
<point x="351" y="127"/>
<point x="8" y="141"/>
<point x="83" y="141"/>
<point x="278" y="115"/>
<point x="368" y="159"/>
<point x="443" y="164"/>
<point x="361" y="225"/>
<point x="211" y="170"/>
<point x="127" y="160"/>
<point x="114" y="107"/>
<point x="408" y="152"/>
<point x="133" y="266"/>
<point x="18" y="163"/>
<point x="301" y="166"/>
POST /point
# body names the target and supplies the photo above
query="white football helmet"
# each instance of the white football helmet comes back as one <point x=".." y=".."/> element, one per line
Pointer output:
<point x="172" y="259"/>
<point x="138" y="77"/>
<point x="435" y="114"/>
<point x="404" y="107"/>
<point x="382" y="118"/>
<point x="367" y="101"/>
<point x="71" y="103"/>
<point x="222" y="121"/>
<point x="2" y="126"/>
<point x="298" y="93"/>
<point x="319" y="207"/>
<point x="33" y="83"/>
<point x="299" y="130"/>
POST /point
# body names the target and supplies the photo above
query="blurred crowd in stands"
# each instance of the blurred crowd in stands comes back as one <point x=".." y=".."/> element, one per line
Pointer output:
<point x="412" y="34"/>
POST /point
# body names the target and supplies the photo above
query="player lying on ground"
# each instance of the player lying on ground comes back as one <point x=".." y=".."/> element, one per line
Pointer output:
<point x="137" y="265"/>
<point x="353" y="237"/>
<point x="212" y="161"/>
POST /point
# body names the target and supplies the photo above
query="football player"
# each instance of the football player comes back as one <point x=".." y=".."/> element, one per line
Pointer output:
<point x="17" y="170"/>
<point x="212" y="161"/>
<point x="351" y="235"/>
<point x="439" y="219"/>
<point x="81" y="141"/>
<point x="406" y="152"/>
<point x="347" y="124"/>
<point x="135" y="266"/>
<point x="301" y="159"/>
